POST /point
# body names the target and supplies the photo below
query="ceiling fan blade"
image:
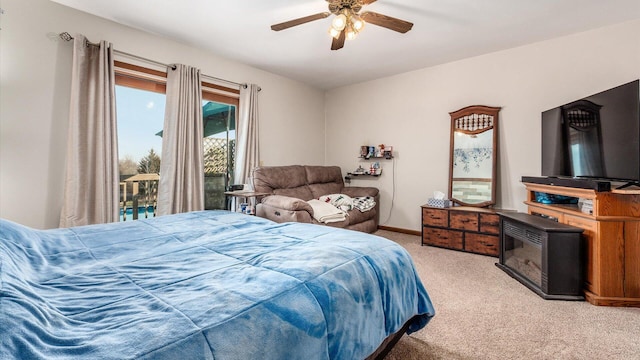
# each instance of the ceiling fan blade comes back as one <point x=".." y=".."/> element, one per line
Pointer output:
<point x="388" y="22"/>
<point x="367" y="2"/>
<point x="338" y="43"/>
<point x="300" y="21"/>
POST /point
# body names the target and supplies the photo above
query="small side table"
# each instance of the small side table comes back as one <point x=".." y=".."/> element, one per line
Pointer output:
<point x="250" y="198"/>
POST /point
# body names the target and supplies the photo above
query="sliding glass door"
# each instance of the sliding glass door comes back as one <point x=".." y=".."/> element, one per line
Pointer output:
<point x="219" y="151"/>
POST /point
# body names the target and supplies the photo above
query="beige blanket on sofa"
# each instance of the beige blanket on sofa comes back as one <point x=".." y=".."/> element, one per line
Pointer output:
<point x="325" y="213"/>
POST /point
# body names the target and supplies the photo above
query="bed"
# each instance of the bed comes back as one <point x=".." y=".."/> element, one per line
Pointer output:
<point x="204" y="285"/>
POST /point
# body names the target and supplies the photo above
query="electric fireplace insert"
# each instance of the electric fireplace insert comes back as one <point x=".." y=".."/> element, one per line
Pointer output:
<point x="543" y="255"/>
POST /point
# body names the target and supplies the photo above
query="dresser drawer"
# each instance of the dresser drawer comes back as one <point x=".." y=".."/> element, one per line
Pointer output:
<point x="482" y="244"/>
<point x="440" y="237"/>
<point x="490" y="223"/>
<point x="463" y="220"/>
<point x="434" y="217"/>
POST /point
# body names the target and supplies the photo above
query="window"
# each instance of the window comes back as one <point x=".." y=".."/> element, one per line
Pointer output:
<point x="140" y="119"/>
<point x="140" y="102"/>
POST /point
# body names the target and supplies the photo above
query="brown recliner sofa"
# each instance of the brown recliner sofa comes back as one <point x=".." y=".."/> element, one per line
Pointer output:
<point x="292" y="186"/>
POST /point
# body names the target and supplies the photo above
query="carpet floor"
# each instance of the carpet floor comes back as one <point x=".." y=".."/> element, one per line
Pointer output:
<point x="483" y="313"/>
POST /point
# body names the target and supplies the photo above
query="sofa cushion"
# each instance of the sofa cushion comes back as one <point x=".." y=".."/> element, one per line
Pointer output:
<point x="324" y="180"/>
<point x="287" y="203"/>
<point x="318" y="190"/>
<point x="302" y="192"/>
<point x="282" y="180"/>
<point x="323" y="174"/>
<point x="360" y="191"/>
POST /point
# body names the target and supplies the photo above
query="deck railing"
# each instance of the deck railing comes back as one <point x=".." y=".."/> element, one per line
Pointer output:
<point x="139" y="197"/>
<point x="139" y="193"/>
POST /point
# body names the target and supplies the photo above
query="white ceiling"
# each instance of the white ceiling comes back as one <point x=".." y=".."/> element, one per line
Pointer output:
<point x="443" y="31"/>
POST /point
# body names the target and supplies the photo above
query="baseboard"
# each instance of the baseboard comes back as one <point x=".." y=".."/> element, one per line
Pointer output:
<point x="400" y="230"/>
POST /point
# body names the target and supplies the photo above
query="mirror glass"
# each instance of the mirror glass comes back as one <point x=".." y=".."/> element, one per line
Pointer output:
<point x="473" y="155"/>
<point x="584" y="138"/>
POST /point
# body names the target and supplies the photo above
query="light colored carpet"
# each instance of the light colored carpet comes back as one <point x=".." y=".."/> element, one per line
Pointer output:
<point x="483" y="313"/>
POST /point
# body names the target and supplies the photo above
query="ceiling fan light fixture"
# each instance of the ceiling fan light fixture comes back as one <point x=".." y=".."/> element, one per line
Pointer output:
<point x="351" y="33"/>
<point x="333" y="32"/>
<point x="357" y="23"/>
<point x="339" y="22"/>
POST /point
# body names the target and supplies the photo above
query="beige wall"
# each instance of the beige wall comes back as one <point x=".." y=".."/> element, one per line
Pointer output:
<point x="34" y="88"/>
<point x="410" y="112"/>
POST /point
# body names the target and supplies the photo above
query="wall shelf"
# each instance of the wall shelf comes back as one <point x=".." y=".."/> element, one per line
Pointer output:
<point x="375" y="157"/>
<point x="351" y="175"/>
<point x="375" y="166"/>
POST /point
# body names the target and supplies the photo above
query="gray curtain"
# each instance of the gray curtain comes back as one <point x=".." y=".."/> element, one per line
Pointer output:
<point x="247" y="147"/>
<point x="91" y="180"/>
<point x="181" y="186"/>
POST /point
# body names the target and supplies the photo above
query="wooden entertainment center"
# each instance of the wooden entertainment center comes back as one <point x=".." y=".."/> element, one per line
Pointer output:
<point x="611" y="239"/>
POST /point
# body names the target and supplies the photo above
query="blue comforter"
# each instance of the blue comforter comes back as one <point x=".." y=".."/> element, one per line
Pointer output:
<point x="203" y="285"/>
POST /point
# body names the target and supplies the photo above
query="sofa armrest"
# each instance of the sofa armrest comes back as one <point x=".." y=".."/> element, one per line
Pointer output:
<point x="287" y="203"/>
<point x="360" y="191"/>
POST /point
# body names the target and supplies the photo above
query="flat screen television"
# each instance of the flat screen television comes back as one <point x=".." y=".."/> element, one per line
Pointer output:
<point x="597" y="137"/>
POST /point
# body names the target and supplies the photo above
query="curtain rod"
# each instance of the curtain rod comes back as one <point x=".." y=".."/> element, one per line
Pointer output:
<point x="67" y="37"/>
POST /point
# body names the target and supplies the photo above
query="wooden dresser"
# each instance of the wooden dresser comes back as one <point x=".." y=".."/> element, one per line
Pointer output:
<point x="462" y="228"/>
<point x="611" y="239"/>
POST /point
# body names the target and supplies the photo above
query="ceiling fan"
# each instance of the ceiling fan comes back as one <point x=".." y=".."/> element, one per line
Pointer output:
<point x="348" y="21"/>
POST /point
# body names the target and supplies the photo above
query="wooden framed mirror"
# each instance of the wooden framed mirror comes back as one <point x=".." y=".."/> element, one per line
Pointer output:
<point x="473" y="156"/>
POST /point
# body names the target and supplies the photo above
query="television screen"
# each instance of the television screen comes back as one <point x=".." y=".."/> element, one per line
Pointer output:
<point x="594" y="137"/>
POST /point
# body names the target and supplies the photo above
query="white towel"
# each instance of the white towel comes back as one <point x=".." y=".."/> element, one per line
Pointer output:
<point x="325" y="213"/>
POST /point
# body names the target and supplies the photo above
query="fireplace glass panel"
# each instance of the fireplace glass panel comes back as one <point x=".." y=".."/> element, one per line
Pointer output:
<point x="523" y="257"/>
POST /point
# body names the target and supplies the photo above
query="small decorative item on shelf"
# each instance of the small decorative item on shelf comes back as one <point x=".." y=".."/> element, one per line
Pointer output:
<point x="359" y="171"/>
<point x="375" y="169"/>
<point x="380" y="151"/>
<point x="586" y="205"/>
<point x="388" y="152"/>
<point x="364" y="150"/>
